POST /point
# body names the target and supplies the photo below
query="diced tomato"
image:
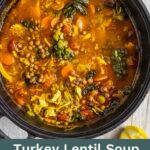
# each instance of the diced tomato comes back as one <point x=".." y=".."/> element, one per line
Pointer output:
<point x="63" y="117"/>
<point x="7" y="59"/>
<point x="74" y="45"/>
<point x="87" y="113"/>
<point x="48" y="83"/>
<point x="21" y="101"/>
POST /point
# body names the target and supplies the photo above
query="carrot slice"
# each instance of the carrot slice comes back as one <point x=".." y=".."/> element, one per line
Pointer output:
<point x="7" y="59"/>
<point x="46" y="22"/>
<point x="67" y="70"/>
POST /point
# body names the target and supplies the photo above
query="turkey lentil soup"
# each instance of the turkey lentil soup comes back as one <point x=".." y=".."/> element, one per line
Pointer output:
<point x="67" y="62"/>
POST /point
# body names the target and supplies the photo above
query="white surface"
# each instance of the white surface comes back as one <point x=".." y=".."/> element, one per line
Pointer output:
<point x="140" y="118"/>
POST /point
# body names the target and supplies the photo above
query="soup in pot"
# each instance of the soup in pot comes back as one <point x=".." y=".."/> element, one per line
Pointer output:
<point x="67" y="62"/>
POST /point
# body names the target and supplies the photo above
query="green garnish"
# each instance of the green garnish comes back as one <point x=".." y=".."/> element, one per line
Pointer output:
<point x="61" y="48"/>
<point x="118" y="58"/>
<point x="76" y="6"/>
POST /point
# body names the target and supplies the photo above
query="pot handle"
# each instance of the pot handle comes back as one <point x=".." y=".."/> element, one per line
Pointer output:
<point x="4" y="136"/>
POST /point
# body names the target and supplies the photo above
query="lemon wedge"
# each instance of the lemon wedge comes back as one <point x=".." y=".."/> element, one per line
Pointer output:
<point x="133" y="132"/>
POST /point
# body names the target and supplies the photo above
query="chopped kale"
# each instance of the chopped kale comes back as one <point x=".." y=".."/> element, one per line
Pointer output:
<point x="28" y="24"/>
<point x="113" y="106"/>
<point x="90" y="74"/>
<point x="118" y="58"/>
<point x="76" y="6"/>
<point x="60" y="48"/>
<point x="77" y="117"/>
<point x="69" y="11"/>
<point x="31" y="80"/>
<point x="63" y="53"/>
<point x="88" y="88"/>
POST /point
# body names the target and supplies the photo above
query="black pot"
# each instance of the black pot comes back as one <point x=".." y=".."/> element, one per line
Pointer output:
<point x="141" y="20"/>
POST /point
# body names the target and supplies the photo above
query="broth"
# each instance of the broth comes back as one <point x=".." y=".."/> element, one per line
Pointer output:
<point x="68" y="61"/>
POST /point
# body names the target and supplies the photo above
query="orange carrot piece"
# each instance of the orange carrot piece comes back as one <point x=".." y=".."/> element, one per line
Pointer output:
<point x="92" y="9"/>
<point x="47" y="83"/>
<point x="21" y="101"/>
<point x="7" y="59"/>
<point x="46" y="22"/>
<point x="67" y="70"/>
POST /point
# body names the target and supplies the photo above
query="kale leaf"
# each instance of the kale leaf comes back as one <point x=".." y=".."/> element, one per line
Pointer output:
<point x="28" y="24"/>
<point x="90" y="74"/>
<point x="76" y="6"/>
<point x="88" y="88"/>
<point x="118" y="58"/>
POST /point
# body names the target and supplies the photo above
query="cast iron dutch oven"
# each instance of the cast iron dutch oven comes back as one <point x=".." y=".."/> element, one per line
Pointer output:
<point x="141" y="20"/>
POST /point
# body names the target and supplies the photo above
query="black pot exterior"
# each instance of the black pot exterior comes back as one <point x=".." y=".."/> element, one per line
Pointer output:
<point x="141" y="20"/>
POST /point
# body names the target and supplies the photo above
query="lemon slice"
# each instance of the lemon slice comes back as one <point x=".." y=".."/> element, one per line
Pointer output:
<point x="133" y="132"/>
